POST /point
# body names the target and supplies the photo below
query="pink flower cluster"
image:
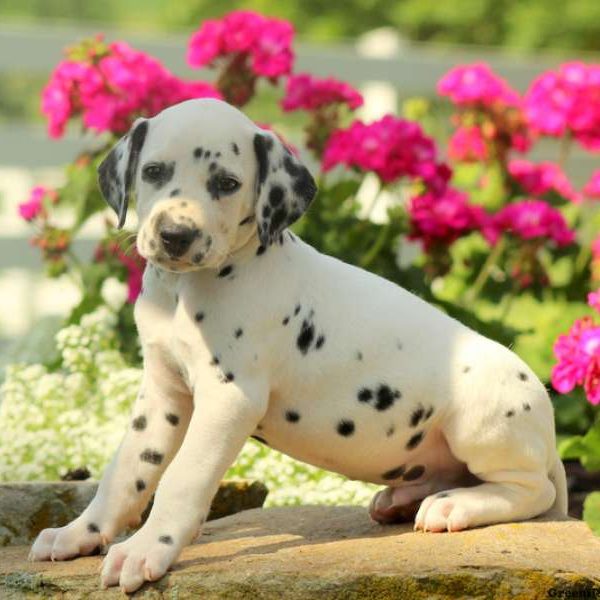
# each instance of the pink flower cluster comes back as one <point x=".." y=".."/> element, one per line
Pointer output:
<point x="467" y="144"/>
<point x="592" y="187"/>
<point x="540" y="178"/>
<point x="133" y="262"/>
<point x="305" y="92"/>
<point x="268" y="42"/>
<point x="476" y="84"/>
<point x="392" y="148"/>
<point x="528" y="220"/>
<point x="110" y="91"/>
<point x="567" y="101"/>
<point x="578" y="354"/>
<point x="34" y="205"/>
<point x="443" y="219"/>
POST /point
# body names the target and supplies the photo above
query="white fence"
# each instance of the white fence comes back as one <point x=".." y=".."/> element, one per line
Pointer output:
<point x="377" y="62"/>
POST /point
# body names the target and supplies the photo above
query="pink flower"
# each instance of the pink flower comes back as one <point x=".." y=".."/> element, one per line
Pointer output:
<point x="530" y="219"/>
<point x="305" y="92"/>
<point x="578" y="354"/>
<point x="391" y="147"/>
<point x="538" y="179"/>
<point x="443" y="219"/>
<point x="34" y="206"/>
<point x="267" y="42"/>
<point x="567" y="101"/>
<point x="111" y="92"/>
<point x="593" y="299"/>
<point x="476" y="84"/>
<point x="592" y="187"/>
<point x="467" y="144"/>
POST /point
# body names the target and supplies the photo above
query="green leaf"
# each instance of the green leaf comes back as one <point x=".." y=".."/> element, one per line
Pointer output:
<point x="591" y="512"/>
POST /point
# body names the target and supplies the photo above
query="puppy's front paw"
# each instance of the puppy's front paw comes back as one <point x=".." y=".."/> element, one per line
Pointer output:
<point x="78" y="538"/>
<point x="143" y="557"/>
<point x="442" y="512"/>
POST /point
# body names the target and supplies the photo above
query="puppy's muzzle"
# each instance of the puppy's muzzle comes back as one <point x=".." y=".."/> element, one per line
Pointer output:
<point x="177" y="239"/>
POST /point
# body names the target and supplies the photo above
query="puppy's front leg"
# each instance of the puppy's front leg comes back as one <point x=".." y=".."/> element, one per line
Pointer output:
<point x="223" y="418"/>
<point x="160" y="418"/>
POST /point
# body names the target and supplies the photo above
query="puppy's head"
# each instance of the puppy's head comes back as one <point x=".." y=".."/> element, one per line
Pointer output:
<point x="207" y="180"/>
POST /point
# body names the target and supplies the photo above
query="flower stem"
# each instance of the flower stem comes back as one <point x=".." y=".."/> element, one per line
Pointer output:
<point x="485" y="272"/>
<point x="366" y="260"/>
<point x="564" y="151"/>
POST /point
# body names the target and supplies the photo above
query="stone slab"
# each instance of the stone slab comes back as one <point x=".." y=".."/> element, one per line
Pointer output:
<point x="339" y="553"/>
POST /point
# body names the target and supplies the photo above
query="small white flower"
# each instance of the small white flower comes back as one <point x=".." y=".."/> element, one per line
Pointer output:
<point x="114" y="293"/>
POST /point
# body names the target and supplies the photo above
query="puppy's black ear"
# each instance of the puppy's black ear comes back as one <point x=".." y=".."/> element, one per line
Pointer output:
<point x="116" y="173"/>
<point x="284" y="187"/>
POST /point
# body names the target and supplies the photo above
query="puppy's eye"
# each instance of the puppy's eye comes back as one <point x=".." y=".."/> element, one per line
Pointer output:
<point x="153" y="172"/>
<point x="228" y="184"/>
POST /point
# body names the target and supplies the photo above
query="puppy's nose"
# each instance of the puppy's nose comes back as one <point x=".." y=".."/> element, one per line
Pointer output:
<point x="176" y="240"/>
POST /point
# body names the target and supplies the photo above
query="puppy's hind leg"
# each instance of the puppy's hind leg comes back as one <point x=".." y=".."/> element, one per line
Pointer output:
<point x="508" y="443"/>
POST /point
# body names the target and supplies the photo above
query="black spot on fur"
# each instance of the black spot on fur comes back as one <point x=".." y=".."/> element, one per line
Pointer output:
<point x="217" y="155"/>
<point x="197" y="258"/>
<point x="215" y="361"/>
<point x="429" y="413"/>
<point x="166" y="539"/>
<point x="442" y="495"/>
<point x="509" y="413"/>
<point x="225" y="271"/>
<point x="527" y="406"/>
<point x="207" y="154"/>
<point x="175" y="192"/>
<point x="93" y="528"/>
<point x="415" y="440"/>
<point x="359" y="355"/>
<point x="466" y="369"/>
<point x="320" y="341"/>
<point x="523" y="376"/>
<point x="390" y="431"/>
<point x="151" y="456"/>
<point x="139" y="423"/>
<point x="394" y="473"/>
<point x="140" y="485"/>
<point x="399" y="345"/>
<point x="239" y="332"/>
<point x="198" y="152"/>
<point x="386" y="397"/>
<point x="199" y="317"/>
<point x="229" y="377"/>
<point x="297" y="309"/>
<point x="212" y="167"/>
<point x="260" y="250"/>
<point x="235" y="148"/>
<point x="261" y="149"/>
<point x="365" y="394"/>
<point x="276" y="196"/>
<point x="292" y="416"/>
<point x="416" y="416"/>
<point x="306" y="336"/>
<point x="414" y="473"/>
<point x="345" y="427"/>
<point x="277" y="220"/>
<point x="285" y="321"/>
<point x="173" y="419"/>
<point x="260" y="439"/>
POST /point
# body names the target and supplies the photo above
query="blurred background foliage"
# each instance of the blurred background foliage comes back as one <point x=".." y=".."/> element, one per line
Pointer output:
<point x="518" y="24"/>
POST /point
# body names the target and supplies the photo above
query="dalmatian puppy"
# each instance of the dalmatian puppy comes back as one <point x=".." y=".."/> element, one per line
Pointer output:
<point x="247" y="331"/>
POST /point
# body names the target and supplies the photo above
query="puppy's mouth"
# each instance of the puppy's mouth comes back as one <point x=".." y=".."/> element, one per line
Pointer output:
<point x="175" y="242"/>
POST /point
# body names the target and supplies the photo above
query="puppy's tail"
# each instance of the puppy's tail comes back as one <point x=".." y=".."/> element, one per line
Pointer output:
<point x="558" y="477"/>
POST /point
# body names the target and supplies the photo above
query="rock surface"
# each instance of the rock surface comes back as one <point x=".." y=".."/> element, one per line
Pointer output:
<point x="338" y="553"/>
<point x="27" y="508"/>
